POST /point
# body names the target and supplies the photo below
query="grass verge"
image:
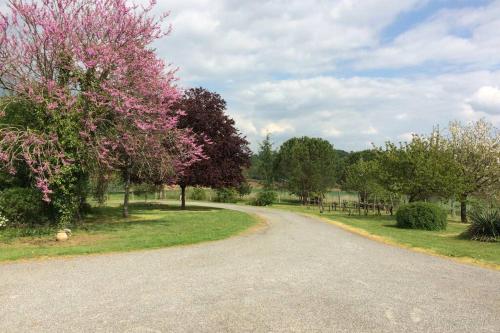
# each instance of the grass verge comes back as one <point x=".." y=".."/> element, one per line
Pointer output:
<point x="149" y="226"/>
<point x="444" y="243"/>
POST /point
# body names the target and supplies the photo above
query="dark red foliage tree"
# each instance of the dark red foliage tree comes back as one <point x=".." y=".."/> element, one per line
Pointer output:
<point x="226" y="149"/>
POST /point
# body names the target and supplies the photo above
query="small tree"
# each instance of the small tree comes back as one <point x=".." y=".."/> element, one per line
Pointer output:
<point x="363" y="177"/>
<point x="265" y="161"/>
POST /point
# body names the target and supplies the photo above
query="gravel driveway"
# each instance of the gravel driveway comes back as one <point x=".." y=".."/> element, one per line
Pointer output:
<point x="298" y="274"/>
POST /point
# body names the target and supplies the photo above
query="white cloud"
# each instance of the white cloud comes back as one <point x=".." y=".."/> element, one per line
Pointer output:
<point x="406" y="137"/>
<point x="347" y="111"/>
<point x="452" y="37"/>
<point x="486" y="99"/>
<point x="277" y="128"/>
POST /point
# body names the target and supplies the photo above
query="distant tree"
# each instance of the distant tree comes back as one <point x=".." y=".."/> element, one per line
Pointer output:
<point x="476" y="151"/>
<point x="307" y="166"/>
<point x="421" y="169"/>
<point x="266" y="157"/>
<point x="363" y="177"/>
<point x="347" y="159"/>
<point x="226" y="149"/>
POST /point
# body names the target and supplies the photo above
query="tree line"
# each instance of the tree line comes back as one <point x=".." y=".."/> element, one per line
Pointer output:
<point x="457" y="164"/>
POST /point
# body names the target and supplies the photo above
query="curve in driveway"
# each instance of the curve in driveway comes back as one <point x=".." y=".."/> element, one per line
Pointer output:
<point x="297" y="275"/>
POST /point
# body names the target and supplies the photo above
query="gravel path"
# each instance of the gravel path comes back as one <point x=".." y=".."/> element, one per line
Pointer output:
<point x="296" y="275"/>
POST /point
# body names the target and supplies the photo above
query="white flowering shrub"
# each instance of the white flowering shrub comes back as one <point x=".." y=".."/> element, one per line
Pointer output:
<point x="3" y="221"/>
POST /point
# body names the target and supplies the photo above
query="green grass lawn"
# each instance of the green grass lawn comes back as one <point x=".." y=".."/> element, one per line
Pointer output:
<point x="447" y="242"/>
<point x="150" y="226"/>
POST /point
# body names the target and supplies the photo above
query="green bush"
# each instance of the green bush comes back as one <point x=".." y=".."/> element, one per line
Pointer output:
<point x="22" y="206"/>
<point x="198" y="193"/>
<point x="265" y="198"/>
<point x="485" y="225"/>
<point x="421" y="215"/>
<point x="226" y="195"/>
<point x="244" y="189"/>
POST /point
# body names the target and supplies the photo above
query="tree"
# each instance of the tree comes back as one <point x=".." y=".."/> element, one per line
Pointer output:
<point x="95" y="87"/>
<point x="307" y="166"/>
<point x="348" y="159"/>
<point x="265" y="162"/>
<point x="476" y="151"/>
<point x="225" y="149"/>
<point x="421" y="169"/>
<point x="363" y="177"/>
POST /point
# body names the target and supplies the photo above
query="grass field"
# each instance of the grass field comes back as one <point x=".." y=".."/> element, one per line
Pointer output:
<point x="149" y="226"/>
<point x="447" y="242"/>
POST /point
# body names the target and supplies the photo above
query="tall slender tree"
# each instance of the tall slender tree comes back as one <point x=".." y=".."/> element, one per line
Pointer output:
<point x="265" y="162"/>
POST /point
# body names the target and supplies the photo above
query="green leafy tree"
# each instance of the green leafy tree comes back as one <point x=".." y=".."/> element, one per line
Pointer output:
<point x="307" y="166"/>
<point x="364" y="177"/>
<point x="421" y="169"/>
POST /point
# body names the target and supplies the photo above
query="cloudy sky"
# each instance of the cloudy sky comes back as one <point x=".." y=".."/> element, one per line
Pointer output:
<point x="350" y="71"/>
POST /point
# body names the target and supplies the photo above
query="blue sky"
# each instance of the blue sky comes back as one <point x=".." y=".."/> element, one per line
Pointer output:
<point x="351" y="71"/>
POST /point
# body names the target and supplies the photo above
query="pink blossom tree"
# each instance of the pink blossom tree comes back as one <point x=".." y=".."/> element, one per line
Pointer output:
<point x="87" y="71"/>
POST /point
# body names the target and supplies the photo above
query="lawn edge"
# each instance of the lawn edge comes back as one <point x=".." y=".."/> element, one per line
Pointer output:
<point x="260" y="224"/>
<point x="363" y="233"/>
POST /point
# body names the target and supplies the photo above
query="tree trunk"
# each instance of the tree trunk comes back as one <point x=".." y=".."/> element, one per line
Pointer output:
<point x="127" y="193"/>
<point x="359" y="203"/>
<point x="183" y="196"/>
<point x="463" y="208"/>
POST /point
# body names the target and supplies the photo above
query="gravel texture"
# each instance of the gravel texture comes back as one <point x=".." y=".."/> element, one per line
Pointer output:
<point x="298" y="274"/>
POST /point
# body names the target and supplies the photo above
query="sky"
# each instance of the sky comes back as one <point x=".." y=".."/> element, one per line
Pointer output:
<point x="354" y="72"/>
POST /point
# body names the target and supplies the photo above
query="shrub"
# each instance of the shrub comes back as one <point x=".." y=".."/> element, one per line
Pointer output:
<point x="244" y="189"/>
<point x="421" y="215"/>
<point x="198" y="193"/>
<point x="485" y="225"/>
<point x="265" y="198"/>
<point x="226" y="195"/>
<point x="22" y="206"/>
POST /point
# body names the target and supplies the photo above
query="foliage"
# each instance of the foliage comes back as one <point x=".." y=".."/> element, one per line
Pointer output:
<point x="244" y="189"/>
<point x="3" y="221"/>
<point x="421" y="215"/>
<point x="485" y="225"/>
<point x="422" y="168"/>
<point x="144" y="189"/>
<point x="22" y="206"/>
<point x="348" y="159"/>
<point x="307" y="166"/>
<point x="364" y="177"/>
<point x="265" y="160"/>
<point x="265" y="198"/>
<point x="198" y="193"/>
<point x="226" y="149"/>
<point x="226" y="195"/>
